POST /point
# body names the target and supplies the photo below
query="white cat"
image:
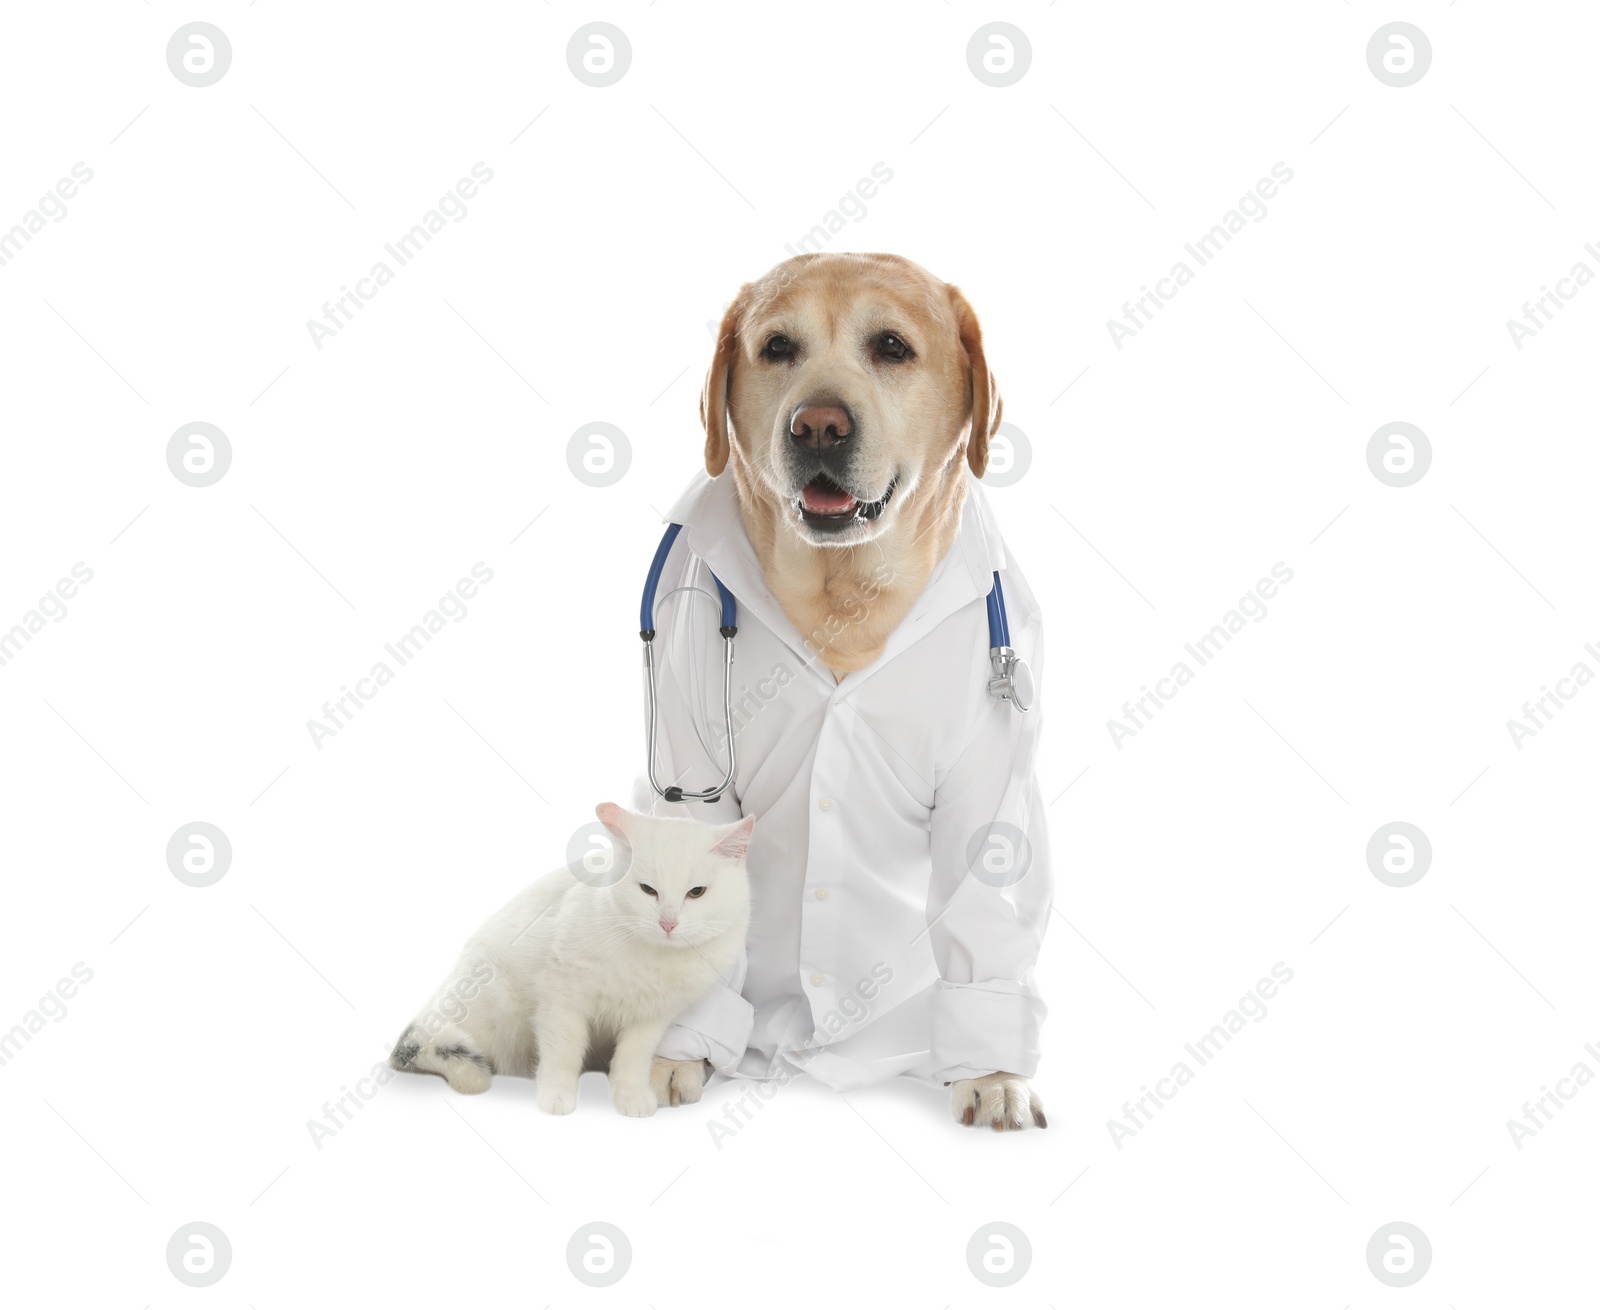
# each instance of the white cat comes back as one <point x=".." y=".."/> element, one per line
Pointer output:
<point x="585" y="959"/>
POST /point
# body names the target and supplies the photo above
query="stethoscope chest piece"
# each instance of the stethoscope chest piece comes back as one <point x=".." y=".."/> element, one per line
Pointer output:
<point x="1013" y="679"/>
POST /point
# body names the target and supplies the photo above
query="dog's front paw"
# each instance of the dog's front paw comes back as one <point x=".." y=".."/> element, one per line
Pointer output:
<point x="677" y="1082"/>
<point x="1001" y="1101"/>
<point x="635" y="1102"/>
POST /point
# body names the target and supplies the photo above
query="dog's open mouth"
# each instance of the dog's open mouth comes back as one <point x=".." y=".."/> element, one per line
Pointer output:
<point x="823" y="503"/>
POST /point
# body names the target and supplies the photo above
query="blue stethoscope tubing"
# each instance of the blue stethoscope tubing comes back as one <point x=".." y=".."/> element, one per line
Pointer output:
<point x="1011" y="682"/>
<point x="647" y="603"/>
<point x="999" y="627"/>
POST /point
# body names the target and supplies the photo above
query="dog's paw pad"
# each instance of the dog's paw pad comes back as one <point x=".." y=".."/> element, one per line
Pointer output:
<point x="1001" y="1101"/>
<point x="677" y="1082"/>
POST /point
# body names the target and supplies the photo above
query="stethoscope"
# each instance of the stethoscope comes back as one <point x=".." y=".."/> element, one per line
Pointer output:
<point x="1012" y="680"/>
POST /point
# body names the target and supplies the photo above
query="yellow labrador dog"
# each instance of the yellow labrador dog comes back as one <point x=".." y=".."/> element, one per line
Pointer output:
<point x="849" y="396"/>
<point x="852" y="383"/>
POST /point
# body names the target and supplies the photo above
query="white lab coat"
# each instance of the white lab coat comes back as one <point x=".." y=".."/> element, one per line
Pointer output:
<point x="891" y="932"/>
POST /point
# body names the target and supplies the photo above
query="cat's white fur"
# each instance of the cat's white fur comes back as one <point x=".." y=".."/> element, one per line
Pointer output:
<point x="568" y="968"/>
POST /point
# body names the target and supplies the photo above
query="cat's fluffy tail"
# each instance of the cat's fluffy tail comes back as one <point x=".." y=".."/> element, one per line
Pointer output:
<point x="448" y="1053"/>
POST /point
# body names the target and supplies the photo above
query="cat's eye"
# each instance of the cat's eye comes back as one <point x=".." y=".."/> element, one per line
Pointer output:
<point x="647" y="889"/>
<point x="697" y="891"/>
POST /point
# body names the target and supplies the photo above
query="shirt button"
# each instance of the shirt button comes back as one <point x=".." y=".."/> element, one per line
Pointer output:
<point x="822" y="893"/>
<point x="818" y="979"/>
<point x="826" y="803"/>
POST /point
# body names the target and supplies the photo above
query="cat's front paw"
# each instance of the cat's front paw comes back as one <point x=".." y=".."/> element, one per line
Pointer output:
<point x="635" y="1102"/>
<point x="1002" y="1101"/>
<point x="677" y="1082"/>
<point x="556" y="1098"/>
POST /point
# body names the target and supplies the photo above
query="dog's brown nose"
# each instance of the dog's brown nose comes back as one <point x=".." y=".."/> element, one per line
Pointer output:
<point x="820" y="427"/>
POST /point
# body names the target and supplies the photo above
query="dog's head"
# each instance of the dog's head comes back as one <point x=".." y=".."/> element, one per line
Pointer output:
<point x="844" y="388"/>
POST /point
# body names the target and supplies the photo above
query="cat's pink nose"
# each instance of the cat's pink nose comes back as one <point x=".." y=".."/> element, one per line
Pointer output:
<point x="667" y="925"/>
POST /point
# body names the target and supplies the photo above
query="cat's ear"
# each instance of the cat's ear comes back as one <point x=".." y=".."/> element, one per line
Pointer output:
<point x="734" y="840"/>
<point x="618" y="822"/>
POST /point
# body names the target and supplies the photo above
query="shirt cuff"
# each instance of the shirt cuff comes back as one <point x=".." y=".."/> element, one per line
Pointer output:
<point x="984" y="1028"/>
<point x="716" y="1028"/>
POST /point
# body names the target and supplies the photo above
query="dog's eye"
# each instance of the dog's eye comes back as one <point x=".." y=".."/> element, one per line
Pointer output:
<point x="697" y="892"/>
<point x="647" y="889"/>
<point x="778" y="347"/>
<point x="890" y="345"/>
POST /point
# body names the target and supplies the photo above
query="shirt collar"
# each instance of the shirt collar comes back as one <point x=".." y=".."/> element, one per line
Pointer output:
<point x="708" y="509"/>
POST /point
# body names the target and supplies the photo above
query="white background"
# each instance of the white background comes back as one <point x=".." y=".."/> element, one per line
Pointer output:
<point x="1229" y="435"/>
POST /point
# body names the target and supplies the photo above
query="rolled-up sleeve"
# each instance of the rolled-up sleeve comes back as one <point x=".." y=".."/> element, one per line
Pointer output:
<point x="715" y="1028"/>
<point x="990" y="895"/>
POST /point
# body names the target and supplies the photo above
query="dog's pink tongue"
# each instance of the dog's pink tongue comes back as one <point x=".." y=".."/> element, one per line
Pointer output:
<point x="822" y="498"/>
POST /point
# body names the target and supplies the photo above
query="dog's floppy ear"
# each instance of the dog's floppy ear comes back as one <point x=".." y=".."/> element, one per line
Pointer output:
<point x="981" y="384"/>
<point x="714" y="399"/>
